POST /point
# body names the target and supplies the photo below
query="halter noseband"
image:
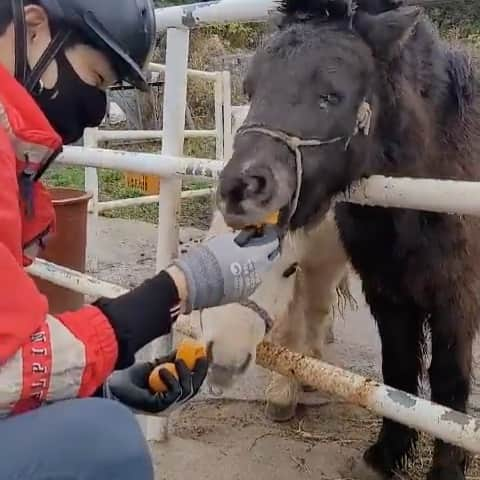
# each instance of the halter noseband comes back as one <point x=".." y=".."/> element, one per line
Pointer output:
<point x="295" y="143"/>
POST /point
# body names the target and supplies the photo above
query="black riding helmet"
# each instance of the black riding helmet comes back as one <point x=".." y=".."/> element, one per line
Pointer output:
<point x="122" y="29"/>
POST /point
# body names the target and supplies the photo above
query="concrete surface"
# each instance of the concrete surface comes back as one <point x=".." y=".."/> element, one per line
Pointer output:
<point x="220" y="438"/>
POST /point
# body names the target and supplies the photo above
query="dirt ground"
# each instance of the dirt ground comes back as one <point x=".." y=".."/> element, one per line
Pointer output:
<point x="228" y="437"/>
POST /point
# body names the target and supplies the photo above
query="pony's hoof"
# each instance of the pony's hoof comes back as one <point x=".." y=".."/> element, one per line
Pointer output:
<point x="358" y="469"/>
<point x="387" y="456"/>
<point x="282" y="398"/>
<point x="280" y="413"/>
<point x="443" y="473"/>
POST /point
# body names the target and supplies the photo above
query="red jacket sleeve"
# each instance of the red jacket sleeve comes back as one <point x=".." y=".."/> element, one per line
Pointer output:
<point x="42" y="358"/>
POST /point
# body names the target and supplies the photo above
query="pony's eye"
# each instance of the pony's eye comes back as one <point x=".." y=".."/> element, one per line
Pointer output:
<point x="329" y="99"/>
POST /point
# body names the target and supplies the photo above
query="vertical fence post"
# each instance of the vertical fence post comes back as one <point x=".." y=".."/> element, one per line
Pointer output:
<point x="91" y="186"/>
<point x="174" y="107"/>
<point x="227" y="115"/>
<point x="219" y="122"/>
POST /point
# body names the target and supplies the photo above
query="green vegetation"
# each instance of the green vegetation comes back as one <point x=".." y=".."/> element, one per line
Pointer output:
<point x="462" y="19"/>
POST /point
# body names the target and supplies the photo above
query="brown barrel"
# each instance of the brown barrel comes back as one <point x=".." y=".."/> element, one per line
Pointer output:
<point x="68" y="246"/>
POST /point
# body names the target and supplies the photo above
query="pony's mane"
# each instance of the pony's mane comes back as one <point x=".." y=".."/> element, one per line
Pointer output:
<point x="315" y="9"/>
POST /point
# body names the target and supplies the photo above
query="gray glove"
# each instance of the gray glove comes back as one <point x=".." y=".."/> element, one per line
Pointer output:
<point x="224" y="270"/>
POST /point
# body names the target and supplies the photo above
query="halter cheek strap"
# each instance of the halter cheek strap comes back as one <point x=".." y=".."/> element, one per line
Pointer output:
<point x="294" y="144"/>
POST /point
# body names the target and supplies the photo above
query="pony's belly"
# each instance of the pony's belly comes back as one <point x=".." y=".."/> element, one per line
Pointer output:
<point x="367" y="234"/>
<point x="372" y="244"/>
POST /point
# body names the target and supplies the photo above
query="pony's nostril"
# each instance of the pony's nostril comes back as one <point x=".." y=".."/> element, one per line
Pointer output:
<point x="255" y="185"/>
<point x="233" y="189"/>
<point x="259" y="184"/>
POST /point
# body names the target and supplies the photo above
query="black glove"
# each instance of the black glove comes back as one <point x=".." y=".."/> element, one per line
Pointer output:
<point x="130" y="386"/>
<point x="141" y="315"/>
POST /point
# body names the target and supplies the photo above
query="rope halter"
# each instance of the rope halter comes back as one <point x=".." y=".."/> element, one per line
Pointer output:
<point x="294" y="144"/>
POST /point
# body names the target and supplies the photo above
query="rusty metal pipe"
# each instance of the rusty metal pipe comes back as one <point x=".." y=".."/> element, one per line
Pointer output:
<point x="441" y="422"/>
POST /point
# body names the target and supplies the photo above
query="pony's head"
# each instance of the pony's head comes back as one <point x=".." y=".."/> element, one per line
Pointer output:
<point x="310" y="130"/>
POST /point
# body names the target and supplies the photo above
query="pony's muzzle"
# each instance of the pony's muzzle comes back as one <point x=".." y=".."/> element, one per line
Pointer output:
<point x="225" y="375"/>
<point x="255" y="184"/>
<point x="258" y="180"/>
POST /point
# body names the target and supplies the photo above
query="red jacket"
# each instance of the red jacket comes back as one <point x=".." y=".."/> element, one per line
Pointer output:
<point x="42" y="358"/>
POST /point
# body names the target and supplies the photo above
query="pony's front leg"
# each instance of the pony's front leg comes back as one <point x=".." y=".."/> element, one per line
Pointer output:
<point x="302" y="328"/>
<point x="289" y="331"/>
<point x="400" y="325"/>
<point x="304" y="325"/>
<point x="450" y="378"/>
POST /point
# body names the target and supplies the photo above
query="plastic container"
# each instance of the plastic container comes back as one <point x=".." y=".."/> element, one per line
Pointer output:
<point x="67" y="247"/>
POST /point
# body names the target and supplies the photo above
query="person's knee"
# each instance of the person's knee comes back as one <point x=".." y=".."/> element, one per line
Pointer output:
<point x="112" y="431"/>
<point x="77" y="439"/>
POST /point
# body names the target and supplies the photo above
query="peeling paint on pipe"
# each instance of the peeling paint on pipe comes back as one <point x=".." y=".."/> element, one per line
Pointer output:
<point x="220" y="11"/>
<point x="441" y="422"/>
<point x="146" y="163"/>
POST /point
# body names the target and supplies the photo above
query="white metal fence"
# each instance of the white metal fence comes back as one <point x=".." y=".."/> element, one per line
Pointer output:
<point x="425" y="194"/>
<point x="223" y="148"/>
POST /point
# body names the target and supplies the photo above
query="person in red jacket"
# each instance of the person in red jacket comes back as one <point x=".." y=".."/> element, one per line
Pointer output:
<point x="64" y="379"/>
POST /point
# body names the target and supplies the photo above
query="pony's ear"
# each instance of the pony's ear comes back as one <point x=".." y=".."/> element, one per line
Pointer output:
<point x="386" y="33"/>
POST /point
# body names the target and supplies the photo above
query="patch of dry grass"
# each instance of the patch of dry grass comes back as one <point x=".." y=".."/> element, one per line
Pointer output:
<point x="358" y="431"/>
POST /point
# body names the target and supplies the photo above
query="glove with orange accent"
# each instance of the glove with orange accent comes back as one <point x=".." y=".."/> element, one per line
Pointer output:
<point x="131" y="386"/>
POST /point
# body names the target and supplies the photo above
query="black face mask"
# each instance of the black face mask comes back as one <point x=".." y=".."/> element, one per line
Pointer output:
<point x="72" y="105"/>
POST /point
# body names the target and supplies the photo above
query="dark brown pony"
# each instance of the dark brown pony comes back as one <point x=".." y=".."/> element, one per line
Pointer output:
<point x="378" y="93"/>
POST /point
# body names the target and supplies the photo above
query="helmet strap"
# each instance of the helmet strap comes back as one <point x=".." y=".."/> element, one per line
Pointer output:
<point x="21" y="62"/>
<point x="20" y="40"/>
<point x="47" y="58"/>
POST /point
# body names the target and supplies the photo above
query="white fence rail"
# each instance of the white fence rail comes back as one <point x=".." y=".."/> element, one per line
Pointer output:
<point x="148" y="163"/>
<point x="424" y="194"/>
<point x="223" y="149"/>
<point x="223" y="11"/>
